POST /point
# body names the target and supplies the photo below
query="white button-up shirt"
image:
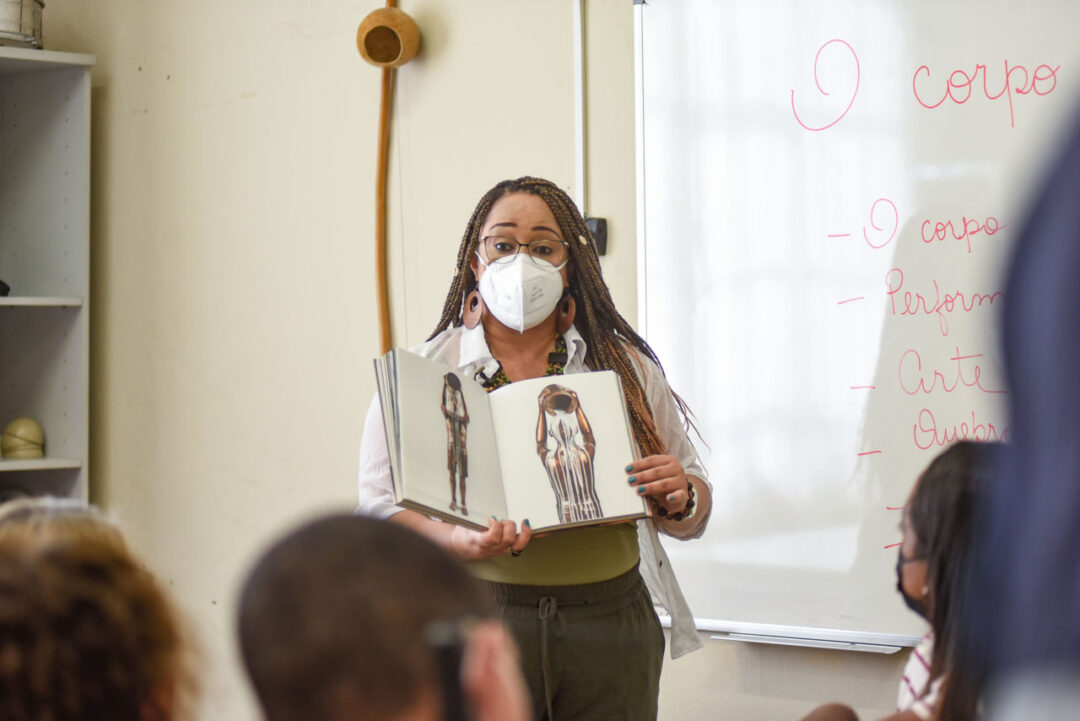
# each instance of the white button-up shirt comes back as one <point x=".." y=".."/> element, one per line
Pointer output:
<point x="467" y="351"/>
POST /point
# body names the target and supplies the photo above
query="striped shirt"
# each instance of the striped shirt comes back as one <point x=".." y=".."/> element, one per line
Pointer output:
<point x="917" y="694"/>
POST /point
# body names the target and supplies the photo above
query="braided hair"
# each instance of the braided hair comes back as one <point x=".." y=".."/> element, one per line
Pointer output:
<point x="609" y="339"/>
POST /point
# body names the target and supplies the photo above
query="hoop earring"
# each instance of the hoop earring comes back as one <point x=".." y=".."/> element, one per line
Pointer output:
<point x="565" y="317"/>
<point x="473" y="310"/>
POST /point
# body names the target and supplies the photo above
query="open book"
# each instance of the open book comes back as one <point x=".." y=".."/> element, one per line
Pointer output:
<point x="553" y="450"/>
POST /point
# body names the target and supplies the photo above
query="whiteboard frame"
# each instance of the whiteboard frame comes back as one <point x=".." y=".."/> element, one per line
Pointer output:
<point x="805" y="636"/>
<point x="639" y="167"/>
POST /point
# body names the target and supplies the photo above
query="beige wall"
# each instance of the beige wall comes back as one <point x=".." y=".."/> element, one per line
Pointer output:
<point x="233" y="323"/>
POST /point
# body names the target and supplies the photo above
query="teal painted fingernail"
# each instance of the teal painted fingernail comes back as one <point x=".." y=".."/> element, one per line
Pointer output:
<point x="671" y="498"/>
<point x="526" y="522"/>
<point x="629" y="468"/>
<point x="632" y="479"/>
<point x="641" y="489"/>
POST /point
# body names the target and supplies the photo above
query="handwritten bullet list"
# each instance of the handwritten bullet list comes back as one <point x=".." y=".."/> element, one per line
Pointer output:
<point x="929" y="289"/>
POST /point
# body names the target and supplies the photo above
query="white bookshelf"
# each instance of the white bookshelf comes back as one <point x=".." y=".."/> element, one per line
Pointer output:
<point x="45" y="258"/>
<point x="39" y="464"/>
<point x="40" y="302"/>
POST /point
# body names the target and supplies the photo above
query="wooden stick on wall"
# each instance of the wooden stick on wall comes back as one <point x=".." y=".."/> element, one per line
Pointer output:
<point x="387" y="38"/>
<point x="381" y="288"/>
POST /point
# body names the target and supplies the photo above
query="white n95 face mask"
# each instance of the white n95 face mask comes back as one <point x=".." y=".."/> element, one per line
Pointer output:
<point x="519" y="292"/>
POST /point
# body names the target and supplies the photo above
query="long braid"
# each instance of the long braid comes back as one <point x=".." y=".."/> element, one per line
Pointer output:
<point x="610" y="340"/>
<point x="464" y="282"/>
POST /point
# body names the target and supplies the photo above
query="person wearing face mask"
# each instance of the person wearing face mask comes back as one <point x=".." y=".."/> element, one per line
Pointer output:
<point x="934" y="567"/>
<point x="528" y="300"/>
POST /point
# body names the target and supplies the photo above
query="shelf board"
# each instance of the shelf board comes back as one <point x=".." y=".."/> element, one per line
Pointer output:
<point x="15" y="60"/>
<point x="40" y="302"/>
<point x="39" y="464"/>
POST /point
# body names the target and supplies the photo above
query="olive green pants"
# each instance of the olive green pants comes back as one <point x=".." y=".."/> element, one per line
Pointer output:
<point x="589" y="653"/>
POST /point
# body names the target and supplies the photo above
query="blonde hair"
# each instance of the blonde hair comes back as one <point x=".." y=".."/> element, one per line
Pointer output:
<point x="86" y="631"/>
<point x="52" y="517"/>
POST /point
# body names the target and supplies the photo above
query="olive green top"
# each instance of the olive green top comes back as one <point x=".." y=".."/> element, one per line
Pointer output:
<point x="566" y="558"/>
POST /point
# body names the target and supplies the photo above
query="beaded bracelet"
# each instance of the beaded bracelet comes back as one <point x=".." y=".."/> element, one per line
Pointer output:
<point x="685" y="513"/>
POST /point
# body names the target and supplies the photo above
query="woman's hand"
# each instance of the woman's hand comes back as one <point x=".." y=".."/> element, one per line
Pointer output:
<point x="662" y="479"/>
<point x="499" y="538"/>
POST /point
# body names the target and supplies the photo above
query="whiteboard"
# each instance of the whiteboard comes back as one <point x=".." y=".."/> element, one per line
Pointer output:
<point x="827" y="192"/>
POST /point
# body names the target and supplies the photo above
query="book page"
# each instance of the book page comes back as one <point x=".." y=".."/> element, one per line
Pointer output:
<point x="564" y="443"/>
<point x="449" y="463"/>
<point x="385" y="373"/>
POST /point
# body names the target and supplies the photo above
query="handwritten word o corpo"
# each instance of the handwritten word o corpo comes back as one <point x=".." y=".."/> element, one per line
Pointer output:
<point x="969" y="227"/>
<point x="928" y="432"/>
<point x="960" y="86"/>
<point x="962" y="370"/>
<point x="904" y="302"/>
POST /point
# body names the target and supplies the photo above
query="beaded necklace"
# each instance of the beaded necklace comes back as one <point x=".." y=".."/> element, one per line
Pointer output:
<point x="555" y="366"/>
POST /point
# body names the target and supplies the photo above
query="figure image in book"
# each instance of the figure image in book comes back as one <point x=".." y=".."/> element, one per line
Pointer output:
<point x="566" y="446"/>
<point x="457" y="454"/>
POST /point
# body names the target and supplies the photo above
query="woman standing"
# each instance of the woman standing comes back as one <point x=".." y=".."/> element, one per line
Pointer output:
<point x="528" y="300"/>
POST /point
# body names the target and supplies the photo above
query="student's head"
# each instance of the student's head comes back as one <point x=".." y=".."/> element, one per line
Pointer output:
<point x="85" y="632"/>
<point x="937" y="526"/>
<point x="335" y="621"/>
<point x="936" y="566"/>
<point x="51" y="517"/>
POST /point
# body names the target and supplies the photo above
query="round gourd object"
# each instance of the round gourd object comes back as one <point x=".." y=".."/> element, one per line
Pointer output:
<point x="388" y="38"/>
<point x="23" y="438"/>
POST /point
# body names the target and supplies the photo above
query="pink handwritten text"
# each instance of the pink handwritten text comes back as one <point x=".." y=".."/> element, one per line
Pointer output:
<point x="884" y="211"/>
<point x="966" y="372"/>
<point x="960" y="86"/>
<point x="929" y="433"/>
<point x="905" y="302"/>
<point x="932" y="231"/>
<point x="823" y="91"/>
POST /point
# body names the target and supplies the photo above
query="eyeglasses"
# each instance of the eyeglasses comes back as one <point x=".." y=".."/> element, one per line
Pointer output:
<point x="549" y="250"/>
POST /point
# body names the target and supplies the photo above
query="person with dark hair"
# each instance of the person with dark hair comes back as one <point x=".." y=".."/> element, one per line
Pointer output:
<point x="350" y="617"/>
<point x="86" y="632"/>
<point x="934" y="568"/>
<point x="528" y="300"/>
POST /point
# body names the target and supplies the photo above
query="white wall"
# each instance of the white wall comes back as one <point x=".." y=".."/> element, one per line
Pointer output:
<point x="233" y="302"/>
